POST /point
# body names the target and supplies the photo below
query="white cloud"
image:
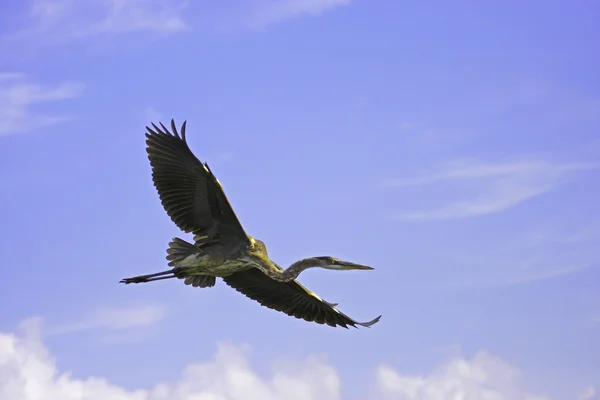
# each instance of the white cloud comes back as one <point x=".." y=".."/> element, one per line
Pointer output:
<point x="269" y="12"/>
<point x="484" y="377"/>
<point x="29" y="372"/>
<point x="59" y="20"/>
<point x="498" y="186"/>
<point x="114" y="319"/>
<point x="18" y="96"/>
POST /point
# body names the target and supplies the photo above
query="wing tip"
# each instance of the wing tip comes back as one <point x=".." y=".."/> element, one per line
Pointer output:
<point x="370" y="323"/>
<point x="155" y="130"/>
<point x="183" y="130"/>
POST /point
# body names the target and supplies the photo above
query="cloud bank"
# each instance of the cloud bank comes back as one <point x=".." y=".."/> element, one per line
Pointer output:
<point x="29" y="372"/>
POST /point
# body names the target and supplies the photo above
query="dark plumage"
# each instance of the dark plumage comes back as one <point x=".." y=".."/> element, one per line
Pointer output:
<point x="194" y="199"/>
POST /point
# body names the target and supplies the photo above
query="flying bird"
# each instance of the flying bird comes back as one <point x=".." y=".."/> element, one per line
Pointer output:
<point x="194" y="199"/>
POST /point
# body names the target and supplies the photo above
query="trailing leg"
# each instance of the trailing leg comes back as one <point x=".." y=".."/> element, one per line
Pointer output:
<point x="151" y="277"/>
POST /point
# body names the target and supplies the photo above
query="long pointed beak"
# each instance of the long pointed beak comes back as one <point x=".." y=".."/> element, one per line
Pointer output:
<point x="349" y="266"/>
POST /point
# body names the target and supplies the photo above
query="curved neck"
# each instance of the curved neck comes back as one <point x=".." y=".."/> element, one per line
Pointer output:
<point x="293" y="270"/>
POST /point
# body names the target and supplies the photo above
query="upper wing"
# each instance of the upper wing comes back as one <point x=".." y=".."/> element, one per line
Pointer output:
<point x="188" y="190"/>
<point x="291" y="298"/>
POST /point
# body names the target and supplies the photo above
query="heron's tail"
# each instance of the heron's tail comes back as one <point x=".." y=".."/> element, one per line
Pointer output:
<point x="200" y="280"/>
<point x="179" y="253"/>
<point x="183" y="254"/>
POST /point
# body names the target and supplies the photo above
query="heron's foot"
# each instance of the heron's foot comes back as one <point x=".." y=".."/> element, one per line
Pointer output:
<point x="135" y="279"/>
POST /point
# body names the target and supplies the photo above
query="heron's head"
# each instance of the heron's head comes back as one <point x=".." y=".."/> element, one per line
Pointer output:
<point x="337" y="264"/>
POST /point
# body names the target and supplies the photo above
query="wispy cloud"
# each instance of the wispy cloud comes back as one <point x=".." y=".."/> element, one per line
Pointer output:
<point x="587" y="394"/>
<point x="509" y="271"/>
<point x="268" y="12"/>
<point x="152" y="115"/>
<point x="60" y="20"/>
<point x="415" y="134"/>
<point x="114" y="319"/>
<point x="496" y="186"/>
<point x="521" y="259"/>
<point x="547" y="272"/>
<point x="19" y="96"/>
<point x="276" y="11"/>
<point x="588" y="233"/>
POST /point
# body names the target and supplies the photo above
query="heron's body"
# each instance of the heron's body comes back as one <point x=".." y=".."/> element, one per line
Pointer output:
<point x="218" y="260"/>
<point x="213" y="265"/>
<point x="195" y="201"/>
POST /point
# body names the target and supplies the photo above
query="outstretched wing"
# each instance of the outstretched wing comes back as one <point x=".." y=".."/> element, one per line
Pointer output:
<point x="190" y="193"/>
<point x="290" y="298"/>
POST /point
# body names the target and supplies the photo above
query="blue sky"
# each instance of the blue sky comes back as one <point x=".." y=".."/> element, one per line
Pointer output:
<point x="452" y="145"/>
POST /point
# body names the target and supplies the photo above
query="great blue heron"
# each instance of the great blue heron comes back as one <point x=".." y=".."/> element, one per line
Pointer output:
<point x="195" y="201"/>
